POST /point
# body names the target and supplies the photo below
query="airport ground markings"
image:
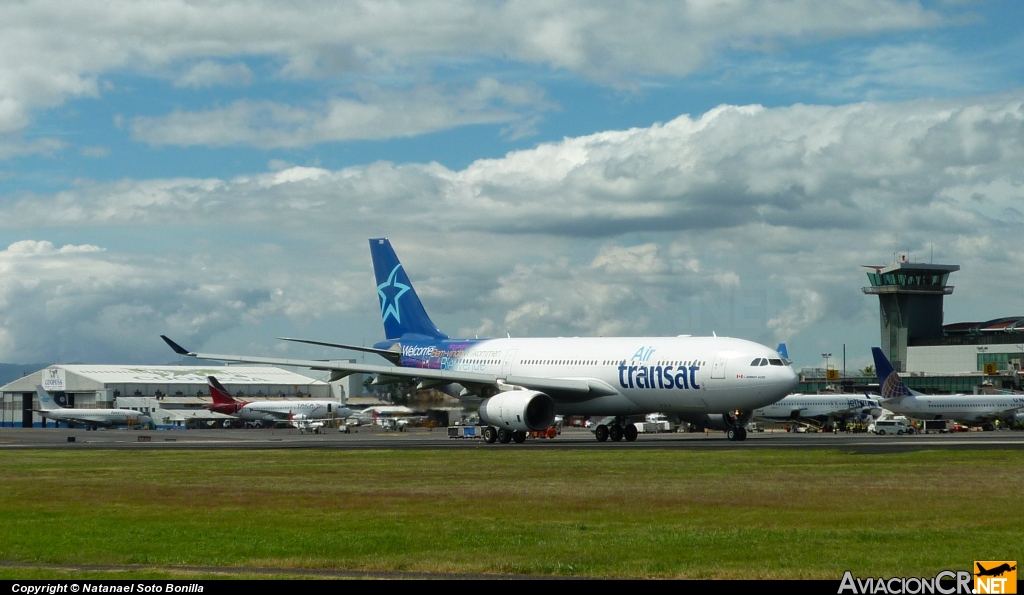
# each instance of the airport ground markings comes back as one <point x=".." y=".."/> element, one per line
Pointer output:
<point x="701" y="514"/>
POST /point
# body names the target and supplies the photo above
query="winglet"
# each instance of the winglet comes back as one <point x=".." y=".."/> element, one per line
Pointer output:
<point x="177" y="348"/>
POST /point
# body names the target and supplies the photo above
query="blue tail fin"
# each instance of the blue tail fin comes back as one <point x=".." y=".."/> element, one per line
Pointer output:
<point x="783" y="351"/>
<point x="889" y="383"/>
<point x="46" y="402"/>
<point x="400" y="308"/>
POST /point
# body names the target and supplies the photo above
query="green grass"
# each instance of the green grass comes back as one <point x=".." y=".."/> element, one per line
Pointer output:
<point x="731" y="514"/>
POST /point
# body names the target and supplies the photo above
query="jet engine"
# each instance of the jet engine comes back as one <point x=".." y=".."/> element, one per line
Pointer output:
<point x="724" y="422"/>
<point x="518" y="410"/>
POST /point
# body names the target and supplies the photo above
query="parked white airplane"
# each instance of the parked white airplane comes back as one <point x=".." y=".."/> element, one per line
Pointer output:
<point x="521" y="384"/>
<point x="821" y="408"/>
<point x="297" y="412"/>
<point x="90" y="418"/>
<point x="970" y="410"/>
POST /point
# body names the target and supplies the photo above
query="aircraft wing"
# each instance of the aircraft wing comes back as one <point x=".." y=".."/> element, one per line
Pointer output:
<point x="577" y="386"/>
<point x="281" y="415"/>
<point x="1005" y="413"/>
<point x="278" y="415"/>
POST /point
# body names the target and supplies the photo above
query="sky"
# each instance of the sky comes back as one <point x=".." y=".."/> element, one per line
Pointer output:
<point x="212" y="171"/>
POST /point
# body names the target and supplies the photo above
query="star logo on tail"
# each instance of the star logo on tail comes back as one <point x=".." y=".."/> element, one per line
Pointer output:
<point x="390" y="291"/>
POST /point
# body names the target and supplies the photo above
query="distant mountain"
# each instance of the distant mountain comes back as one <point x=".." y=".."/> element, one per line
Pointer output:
<point x="11" y="372"/>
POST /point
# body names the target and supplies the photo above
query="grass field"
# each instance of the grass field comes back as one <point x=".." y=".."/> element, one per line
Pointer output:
<point x="699" y="514"/>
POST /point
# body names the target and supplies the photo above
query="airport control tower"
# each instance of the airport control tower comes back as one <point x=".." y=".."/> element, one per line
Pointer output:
<point x="910" y="303"/>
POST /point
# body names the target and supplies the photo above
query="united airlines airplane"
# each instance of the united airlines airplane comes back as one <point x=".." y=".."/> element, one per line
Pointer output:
<point x="971" y="410"/>
<point x="521" y="384"/>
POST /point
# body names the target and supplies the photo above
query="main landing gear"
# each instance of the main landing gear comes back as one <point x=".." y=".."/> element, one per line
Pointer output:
<point x="736" y="434"/>
<point x="492" y="435"/>
<point x="617" y="430"/>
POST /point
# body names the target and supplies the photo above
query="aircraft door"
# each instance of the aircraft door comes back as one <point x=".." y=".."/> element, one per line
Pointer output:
<point x="506" y="368"/>
<point x="718" y="368"/>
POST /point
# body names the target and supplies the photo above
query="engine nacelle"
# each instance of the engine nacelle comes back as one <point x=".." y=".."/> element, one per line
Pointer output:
<point x="724" y="422"/>
<point x="518" y="410"/>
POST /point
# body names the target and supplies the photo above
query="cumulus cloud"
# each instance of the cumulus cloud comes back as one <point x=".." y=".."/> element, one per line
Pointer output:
<point x="12" y="145"/>
<point x="376" y="114"/>
<point x="209" y="73"/>
<point x="950" y="163"/>
<point x="885" y="72"/>
<point x="54" y="50"/>
<point x="555" y="297"/>
<point x="83" y="303"/>
<point x="744" y="220"/>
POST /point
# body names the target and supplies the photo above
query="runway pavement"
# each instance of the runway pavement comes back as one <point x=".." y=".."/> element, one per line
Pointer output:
<point x="420" y="438"/>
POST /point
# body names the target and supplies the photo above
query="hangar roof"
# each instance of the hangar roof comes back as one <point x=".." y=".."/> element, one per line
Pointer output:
<point x="187" y="374"/>
<point x="94" y="377"/>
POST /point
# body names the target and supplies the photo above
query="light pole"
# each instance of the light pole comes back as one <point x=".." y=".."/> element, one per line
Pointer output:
<point x="826" y="356"/>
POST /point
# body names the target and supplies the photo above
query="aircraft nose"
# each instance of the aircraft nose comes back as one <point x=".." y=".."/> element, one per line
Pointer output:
<point x="789" y="378"/>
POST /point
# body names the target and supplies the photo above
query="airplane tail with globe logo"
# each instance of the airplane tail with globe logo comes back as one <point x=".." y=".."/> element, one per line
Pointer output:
<point x="890" y="385"/>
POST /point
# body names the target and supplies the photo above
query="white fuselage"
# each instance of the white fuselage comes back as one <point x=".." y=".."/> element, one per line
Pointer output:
<point x="821" y="407"/>
<point x="98" y="417"/>
<point x="682" y="375"/>
<point x="283" y="410"/>
<point x="965" y="409"/>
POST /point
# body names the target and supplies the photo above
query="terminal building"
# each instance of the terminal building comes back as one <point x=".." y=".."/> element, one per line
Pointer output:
<point x="931" y="356"/>
<point x="172" y="395"/>
<point x="914" y="337"/>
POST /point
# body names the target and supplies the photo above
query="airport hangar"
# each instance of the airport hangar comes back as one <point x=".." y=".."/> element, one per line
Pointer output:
<point x="172" y="395"/>
<point x="932" y="357"/>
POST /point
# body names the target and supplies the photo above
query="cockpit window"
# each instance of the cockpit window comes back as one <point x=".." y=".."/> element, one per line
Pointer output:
<point x="755" y="363"/>
<point x="776" y="362"/>
<point x="764" y="361"/>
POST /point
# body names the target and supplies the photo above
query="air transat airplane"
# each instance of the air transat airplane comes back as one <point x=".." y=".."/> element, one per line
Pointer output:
<point x="521" y="384"/>
<point x="90" y="418"/>
<point x="296" y="412"/>
<point x="970" y="410"/>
